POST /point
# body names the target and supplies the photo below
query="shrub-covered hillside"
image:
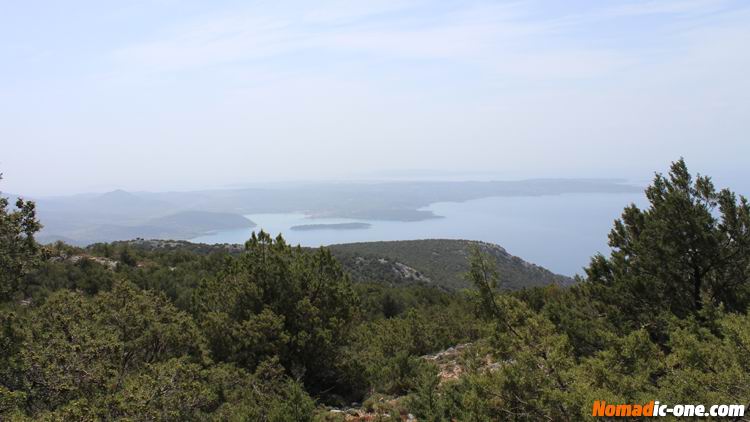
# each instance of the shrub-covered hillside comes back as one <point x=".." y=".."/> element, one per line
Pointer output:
<point x="440" y="263"/>
<point x="443" y="262"/>
<point x="273" y="332"/>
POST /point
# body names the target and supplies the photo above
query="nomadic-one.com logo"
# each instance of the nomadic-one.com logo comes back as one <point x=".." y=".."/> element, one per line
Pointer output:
<point x="656" y="409"/>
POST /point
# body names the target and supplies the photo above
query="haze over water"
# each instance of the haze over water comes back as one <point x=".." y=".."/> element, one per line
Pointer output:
<point x="559" y="232"/>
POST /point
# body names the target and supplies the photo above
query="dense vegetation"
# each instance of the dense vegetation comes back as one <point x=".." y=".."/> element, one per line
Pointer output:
<point x="441" y="263"/>
<point x="279" y="333"/>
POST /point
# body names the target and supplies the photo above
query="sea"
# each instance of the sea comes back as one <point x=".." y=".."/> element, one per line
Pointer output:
<point x="558" y="232"/>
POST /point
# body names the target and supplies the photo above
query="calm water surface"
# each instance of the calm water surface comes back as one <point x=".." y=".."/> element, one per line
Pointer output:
<point x="559" y="232"/>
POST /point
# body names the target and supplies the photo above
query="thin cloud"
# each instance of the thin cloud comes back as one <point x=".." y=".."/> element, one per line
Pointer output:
<point x="466" y="33"/>
<point x="531" y="84"/>
<point x="666" y="7"/>
<point x="510" y="37"/>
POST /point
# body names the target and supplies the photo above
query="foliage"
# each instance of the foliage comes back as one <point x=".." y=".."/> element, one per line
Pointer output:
<point x="691" y="246"/>
<point x="441" y="261"/>
<point x="664" y="317"/>
<point x="276" y="300"/>
<point x="19" y="253"/>
<point x="163" y="330"/>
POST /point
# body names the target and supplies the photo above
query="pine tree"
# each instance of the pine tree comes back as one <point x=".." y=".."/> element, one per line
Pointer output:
<point x="19" y="252"/>
<point x="692" y="244"/>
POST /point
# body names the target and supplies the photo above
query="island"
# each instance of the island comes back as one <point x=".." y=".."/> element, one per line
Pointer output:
<point x="332" y="226"/>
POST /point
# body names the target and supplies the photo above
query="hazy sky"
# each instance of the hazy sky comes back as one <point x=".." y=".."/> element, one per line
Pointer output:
<point x="168" y="94"/>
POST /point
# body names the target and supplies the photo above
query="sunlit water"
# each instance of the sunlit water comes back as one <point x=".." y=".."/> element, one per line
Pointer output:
<point x="559" y="232"/>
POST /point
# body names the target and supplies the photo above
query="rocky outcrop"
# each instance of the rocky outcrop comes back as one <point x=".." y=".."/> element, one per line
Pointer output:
<point x="450" y="364"/>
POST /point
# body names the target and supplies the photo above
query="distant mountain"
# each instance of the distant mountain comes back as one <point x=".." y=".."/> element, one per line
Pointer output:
<point x="181" y="225"/>
<point x="391" y="201"/>
<point x="201" y="221"/>
<point x="117" y="196"/>
<point x="116" y="204"/>
<point x="334" y="226"/>
<point x="121" y="215"/>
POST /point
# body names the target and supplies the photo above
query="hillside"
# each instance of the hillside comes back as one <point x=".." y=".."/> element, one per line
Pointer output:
<point x="180" y="225"/>
<point x="442" y="262"/>
<point x="116" y="331"/>
<point x="200" y="222"/>
<point x="335" y="226"/>
<point x="438" y="262"/>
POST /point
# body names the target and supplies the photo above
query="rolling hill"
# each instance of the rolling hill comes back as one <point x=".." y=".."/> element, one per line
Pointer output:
<point x="438" y="262"/>
<point x="442" y="262"/>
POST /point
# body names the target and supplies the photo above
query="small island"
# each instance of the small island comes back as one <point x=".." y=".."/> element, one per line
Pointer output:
<point x="333" y="226"/>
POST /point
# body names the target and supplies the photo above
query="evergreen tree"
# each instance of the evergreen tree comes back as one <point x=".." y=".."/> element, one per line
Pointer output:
<point x="19" y="252"/>
<point x="691" y="245"/>
<point x="279" y="301"/>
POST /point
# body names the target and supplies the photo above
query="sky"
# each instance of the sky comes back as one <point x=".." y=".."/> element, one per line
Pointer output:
<point x="179" y="95"/>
